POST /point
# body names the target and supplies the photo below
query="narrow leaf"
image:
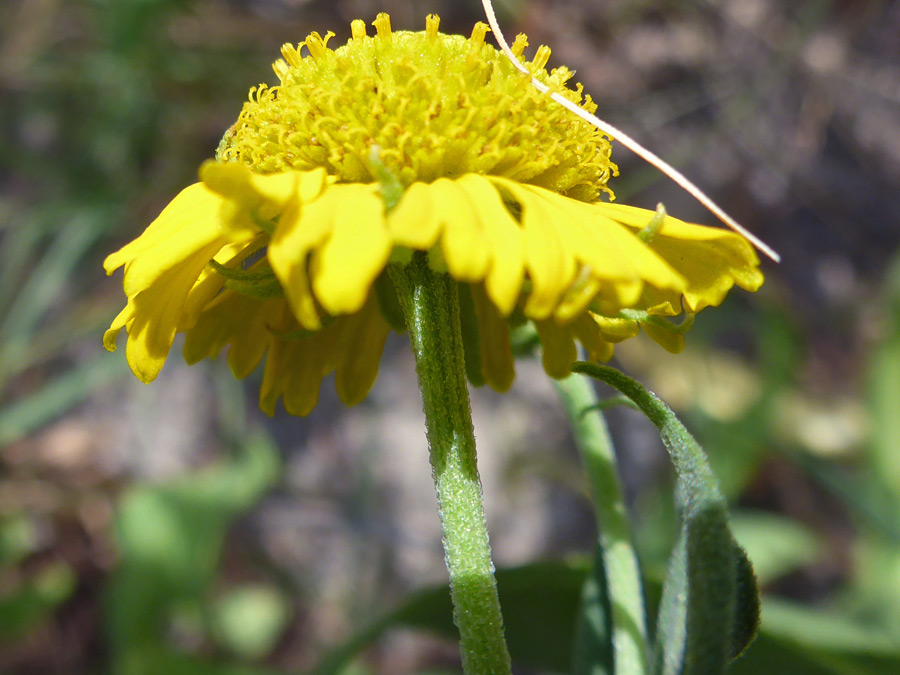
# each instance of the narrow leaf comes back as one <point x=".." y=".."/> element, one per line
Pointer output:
<point x="593" y="654"/>
<point x="709" y="609"/>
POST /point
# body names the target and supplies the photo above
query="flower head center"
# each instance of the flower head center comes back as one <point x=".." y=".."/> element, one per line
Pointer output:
<point x="435" y="106"/>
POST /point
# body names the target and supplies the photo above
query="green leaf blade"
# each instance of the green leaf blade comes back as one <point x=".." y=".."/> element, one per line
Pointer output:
<point x="710" y="608"/>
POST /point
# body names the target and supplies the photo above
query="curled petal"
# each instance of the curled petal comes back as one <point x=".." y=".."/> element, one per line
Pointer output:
<point x="161" y="267"/>
<point x="210" y="282"/>
<point x="670" y="340"/>
<point x="155" y="314"/>
<point x="592" y="338"/>
<point x="188" y="224"/>
<point x="252" y="197"/>
<point x="300" y="231"/>
<point x="712" y="260"/>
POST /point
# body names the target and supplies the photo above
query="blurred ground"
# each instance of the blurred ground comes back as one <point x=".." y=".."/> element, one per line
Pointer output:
<point x="787" y="113"/>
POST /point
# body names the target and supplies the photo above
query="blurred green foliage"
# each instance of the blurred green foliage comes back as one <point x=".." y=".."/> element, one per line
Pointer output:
<point x="96" y="96"/>
<point x="33" y="598"/>
<point x="170" y="540"/>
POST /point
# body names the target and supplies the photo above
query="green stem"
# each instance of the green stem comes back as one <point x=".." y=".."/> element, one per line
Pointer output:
<point x="620" y="561"/>
<point x="431" y="306"/>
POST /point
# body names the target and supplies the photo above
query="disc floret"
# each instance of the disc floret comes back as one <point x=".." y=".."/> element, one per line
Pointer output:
<point x="436" y="106"/>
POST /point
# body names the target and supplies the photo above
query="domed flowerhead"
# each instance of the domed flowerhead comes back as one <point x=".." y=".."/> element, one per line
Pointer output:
<point x="391" y="144"/>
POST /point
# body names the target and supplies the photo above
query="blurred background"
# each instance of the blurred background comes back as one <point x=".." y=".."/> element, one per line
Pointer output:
<point x="176" y="529"/>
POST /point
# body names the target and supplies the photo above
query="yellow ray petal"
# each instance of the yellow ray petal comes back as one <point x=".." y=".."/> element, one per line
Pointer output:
<point x="295" y="367"/>
<point x="361" y="352"/>
<point x="558" y="351"/>
<point x="591" y="338"/>
<point x="493" y="332"/>
<point x="550" y="265"/>
<point x="238" y="320"/>
<point x="415" y="221"/>
<point x="711" y="260"/>
<point x="616" y="253"/>
<point x="210" y="282"/>
<point x="604" y="250"/>
<point x="121" y="321"/>
<point x="237" y="182"/>
<point x="462" y="240"/>
<point x="314" y="357"/>
<point x="250" y="342"/>
<point x="616" y="329"/>
<point x="503" y="239"/>
<point x="612" y="298"/>
<point x="292" y="374"/>
<point x="256" y="194"/>
<point x="579" y="295"/>
<point x="188" y="223"/>
<point x="300" y="230"/>
<point x="667" y="339"/>
<point x="348" y="262"/>
<point x="156" y="313"/>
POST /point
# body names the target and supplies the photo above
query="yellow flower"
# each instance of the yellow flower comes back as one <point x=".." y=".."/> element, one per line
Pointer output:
<point x="402" y="142"/>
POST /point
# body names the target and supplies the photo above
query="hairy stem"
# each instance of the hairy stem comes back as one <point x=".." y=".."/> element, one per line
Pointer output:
<point x="431" y="307"/>
<point x="619" y="558"/>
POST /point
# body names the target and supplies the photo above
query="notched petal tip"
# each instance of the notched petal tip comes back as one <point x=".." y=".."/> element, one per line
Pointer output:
<point x="291" y="54"/>
<point x="519" y="45"/>
<point x="671" y="341"/>
<point x="111" y="337"/>
<point x="112" y="262"/>
<point x="711" y="260"/>
<point x="317" y="45"/>
<point x="432" y="23"/>
<point x="541" y="57"/>
<point x="479" y="31"/>
<point x="382" y="25"/>
<point x="358" y="29"/>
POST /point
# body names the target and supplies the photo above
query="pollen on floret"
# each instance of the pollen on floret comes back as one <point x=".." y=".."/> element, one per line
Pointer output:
<point x="541" y="57"/>
<point x="317" y="45"/>
<point x="518" y="47"/>
<point x="478" y="32"/>
<point x="358" y="29"/>
<point x="382" y="25"/>
<point x="432" y="23"/>
<point x="291" y="55"/>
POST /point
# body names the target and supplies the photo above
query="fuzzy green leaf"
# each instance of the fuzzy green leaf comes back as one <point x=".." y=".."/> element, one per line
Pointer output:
<point x="593" y="654"/>
<point x="710" y="607"/>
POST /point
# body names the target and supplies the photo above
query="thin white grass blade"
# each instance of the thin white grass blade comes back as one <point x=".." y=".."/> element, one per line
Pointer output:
<point x="683" y="181"/>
